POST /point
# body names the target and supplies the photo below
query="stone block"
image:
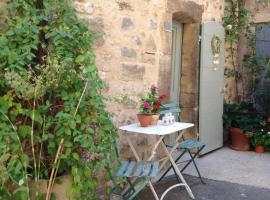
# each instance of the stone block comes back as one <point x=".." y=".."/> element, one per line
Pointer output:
<point x="127" y="23"/>
<point x="149" y="58"/>
<point x="133" y="71"/>
<point x="87" y="8"/>
<point x="150" y="46"/>
<point x="96" y="24"/>
<point x="152" y="24"/>
<point x="168" y="26"/>
<point x="137" y="40"/>
<point x="124" y="5"/>
<point x="96" y="27"/>
<point x="128" y="52"/>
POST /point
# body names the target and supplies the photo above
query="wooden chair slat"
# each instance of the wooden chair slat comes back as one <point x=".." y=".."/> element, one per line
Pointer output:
<point x="130" y="169"/>
<point x="154" y="170"/>
<point x="122" y="168"/>
<point x="139" y="170"/>
<point x="146" y="169"/>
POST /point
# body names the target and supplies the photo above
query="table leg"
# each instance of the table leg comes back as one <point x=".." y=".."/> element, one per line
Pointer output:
<point x="184" y="183"/>
<point x="172" y="149"/>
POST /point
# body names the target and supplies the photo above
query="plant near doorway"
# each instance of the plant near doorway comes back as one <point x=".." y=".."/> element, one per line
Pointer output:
<point x="237" y="24"/>
<point x="240" y="119"/>
<point x="52" y="114"/>
<point x="260" y="139"/>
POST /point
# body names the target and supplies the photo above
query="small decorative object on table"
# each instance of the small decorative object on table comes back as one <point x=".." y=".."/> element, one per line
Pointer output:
<point x="168" y="119"/>
<point x="150" y="107"/>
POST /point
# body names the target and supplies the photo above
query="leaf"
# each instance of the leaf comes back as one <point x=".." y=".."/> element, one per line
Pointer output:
<point x="79" y="59"/>
<point x="68" y="144"/>
<point x="24" y="131"/>
<point x="21" y="193"/>
<point x="76" y="156"/>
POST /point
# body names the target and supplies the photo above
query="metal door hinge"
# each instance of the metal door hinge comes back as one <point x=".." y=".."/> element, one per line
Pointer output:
<point x="199" y="39"/>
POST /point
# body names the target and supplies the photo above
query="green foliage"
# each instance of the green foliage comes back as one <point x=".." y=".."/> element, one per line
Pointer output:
<point x="241" y="115"/>
<point x="235" y="20"/>
<point x="237" y="23"/>
<point x="46" y="60"/>
<point x="260" y="138"/>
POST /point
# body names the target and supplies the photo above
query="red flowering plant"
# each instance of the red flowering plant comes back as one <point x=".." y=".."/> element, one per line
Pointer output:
<point x="153" y="102"/>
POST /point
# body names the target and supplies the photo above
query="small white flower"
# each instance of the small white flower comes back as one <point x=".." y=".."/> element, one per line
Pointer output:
<point x="21" y="182"/>
<point x="229" y="27"/>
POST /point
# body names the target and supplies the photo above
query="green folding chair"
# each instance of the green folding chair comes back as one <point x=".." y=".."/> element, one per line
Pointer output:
<point x="137" y="175"/>
<point x="186" y="145"/>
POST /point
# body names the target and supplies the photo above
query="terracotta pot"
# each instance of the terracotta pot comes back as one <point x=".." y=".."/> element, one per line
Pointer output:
<point x="240" y="141"/>
<point x="259" y="149"/>
<point x="154" y="119"/>
<point x="144" y="119"/>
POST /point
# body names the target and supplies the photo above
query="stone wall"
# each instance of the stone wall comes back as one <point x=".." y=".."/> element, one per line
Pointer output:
<point x="133" y="51"/>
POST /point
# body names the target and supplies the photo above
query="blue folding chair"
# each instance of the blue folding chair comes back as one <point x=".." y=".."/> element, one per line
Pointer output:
<point x="186" y="145"/>
<point x="137" y="175"/>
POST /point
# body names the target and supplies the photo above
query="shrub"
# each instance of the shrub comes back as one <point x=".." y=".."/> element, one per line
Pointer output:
<point x="51" y="107"/>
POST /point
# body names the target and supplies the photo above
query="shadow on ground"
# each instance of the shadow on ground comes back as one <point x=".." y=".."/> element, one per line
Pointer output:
<point x="212" y="190"/>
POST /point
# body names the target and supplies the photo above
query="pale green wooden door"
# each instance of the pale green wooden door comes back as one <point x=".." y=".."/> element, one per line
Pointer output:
<point x="176" y="62"/>
<point x="177" y="34"/>
<point x="211" y="87"/>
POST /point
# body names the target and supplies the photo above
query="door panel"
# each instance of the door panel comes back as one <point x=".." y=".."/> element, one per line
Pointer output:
<point x="177" y="34"/>
<point x="211" y="88"/>
<point x="176" y="61"/>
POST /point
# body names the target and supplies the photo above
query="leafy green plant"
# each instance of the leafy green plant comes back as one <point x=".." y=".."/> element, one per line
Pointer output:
<point x="260" y="138"/>
<point x="241" y="115"/>
<point x="53" y="118"/>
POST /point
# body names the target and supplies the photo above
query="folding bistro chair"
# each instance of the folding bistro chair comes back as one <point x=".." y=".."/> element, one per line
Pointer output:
<point x="186" y="145"/>
<point x="137" y="175"/>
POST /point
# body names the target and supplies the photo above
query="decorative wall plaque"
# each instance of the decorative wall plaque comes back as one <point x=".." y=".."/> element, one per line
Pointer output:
<point x="215" y="45"/>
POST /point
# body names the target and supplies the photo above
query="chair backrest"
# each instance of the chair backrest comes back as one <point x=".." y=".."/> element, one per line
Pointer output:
<point x="171" y="108"/>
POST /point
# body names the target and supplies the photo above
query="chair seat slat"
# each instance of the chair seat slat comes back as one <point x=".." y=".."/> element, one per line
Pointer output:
<point x="138" y="172"/>
<point x="130" y="169"/>
<point x="122" y="168"/>
<point x="154" y="170"/>
<point x="146" y="169"/>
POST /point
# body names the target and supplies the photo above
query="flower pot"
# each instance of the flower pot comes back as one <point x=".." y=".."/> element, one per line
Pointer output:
<point x="240" y="141"/>
<point x="154" y="119"/>
<point x="144" y="119"/>
<point x="259" y="149"/>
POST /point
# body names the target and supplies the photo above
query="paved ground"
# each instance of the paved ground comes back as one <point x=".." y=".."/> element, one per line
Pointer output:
<point x="248" y="168"/>
<point x="212" y="190"/>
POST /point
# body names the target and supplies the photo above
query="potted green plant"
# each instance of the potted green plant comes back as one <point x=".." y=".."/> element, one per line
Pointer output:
<point x="259" y="140"/>
<point x="240" y="118"/>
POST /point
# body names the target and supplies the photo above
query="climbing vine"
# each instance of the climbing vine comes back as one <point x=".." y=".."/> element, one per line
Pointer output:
<point x="52" y="114"/>
<point x="237" y="23"/>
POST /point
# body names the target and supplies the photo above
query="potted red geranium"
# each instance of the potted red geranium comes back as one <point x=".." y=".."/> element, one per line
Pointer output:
<point x="150" y="107"/>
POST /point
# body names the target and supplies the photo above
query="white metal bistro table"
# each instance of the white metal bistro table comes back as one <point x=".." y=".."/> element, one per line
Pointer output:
<point x="160" y="131"/>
